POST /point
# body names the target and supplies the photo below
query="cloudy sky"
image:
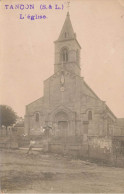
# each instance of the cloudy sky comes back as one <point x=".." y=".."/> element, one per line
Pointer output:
<point x="27" y="49"/>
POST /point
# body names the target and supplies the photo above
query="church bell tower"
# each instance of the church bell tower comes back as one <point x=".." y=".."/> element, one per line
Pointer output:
<point x="67" y="49"/>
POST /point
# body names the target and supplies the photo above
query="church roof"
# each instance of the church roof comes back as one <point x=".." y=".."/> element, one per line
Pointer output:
<point x="67" y="32"/>
<point x="38" y="100"/>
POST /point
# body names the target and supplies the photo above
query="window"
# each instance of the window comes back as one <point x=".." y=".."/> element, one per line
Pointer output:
<point x="66" y="35"/>
<point x="37" y="117"/>
<point x="64" y="55"/>
<point x="90" y="115"/>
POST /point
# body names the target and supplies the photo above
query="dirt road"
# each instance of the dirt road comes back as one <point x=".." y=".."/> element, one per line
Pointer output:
<point x="47" y="173"/>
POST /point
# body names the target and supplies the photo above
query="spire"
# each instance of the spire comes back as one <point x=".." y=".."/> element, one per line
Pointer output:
<point x="68" y="13"/>
<point x="67" y="31"/>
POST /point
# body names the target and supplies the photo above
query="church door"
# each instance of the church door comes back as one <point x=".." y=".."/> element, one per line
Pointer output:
<point x="61" y="118"/>
<point x="63" y="128"/>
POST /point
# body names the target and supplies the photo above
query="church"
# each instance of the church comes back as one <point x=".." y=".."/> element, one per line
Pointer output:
<point x="69" y="106"/>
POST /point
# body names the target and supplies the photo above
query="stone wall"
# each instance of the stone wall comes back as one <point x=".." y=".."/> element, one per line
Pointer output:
<point x="93" y="148"/>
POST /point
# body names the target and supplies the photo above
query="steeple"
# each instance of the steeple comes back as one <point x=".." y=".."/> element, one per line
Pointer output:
<point x="67" y="31"/>
<point x="67" y="49"/>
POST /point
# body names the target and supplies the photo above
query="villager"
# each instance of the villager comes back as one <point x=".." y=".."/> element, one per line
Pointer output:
<point x="47" y="131"/>
<point x="31" y="146"/>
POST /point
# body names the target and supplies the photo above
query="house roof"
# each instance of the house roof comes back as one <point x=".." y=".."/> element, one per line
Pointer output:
<point x="21" y="124"/>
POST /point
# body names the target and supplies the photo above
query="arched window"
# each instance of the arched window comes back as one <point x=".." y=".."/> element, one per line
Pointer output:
<point x="64" y="55"/>
<point x="90" y="115"/>
<point x="37" y="117"/>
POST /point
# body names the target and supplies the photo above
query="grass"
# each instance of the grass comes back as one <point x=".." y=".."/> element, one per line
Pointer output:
<point x="52" y="173"/>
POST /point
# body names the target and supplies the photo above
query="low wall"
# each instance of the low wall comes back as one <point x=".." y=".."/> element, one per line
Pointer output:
<point x="81" y="151"/>
<point x="98" y="149"/>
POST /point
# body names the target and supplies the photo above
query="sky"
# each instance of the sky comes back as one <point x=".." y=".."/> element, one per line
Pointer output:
<point x="27" y="49"/>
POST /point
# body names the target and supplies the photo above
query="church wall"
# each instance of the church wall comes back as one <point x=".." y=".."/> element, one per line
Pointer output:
<point x="34" y="106"/>
<point x="47" y="93"/>
<point x="94" y="126"/>
<point x="72" y="67"/>
<point x="71" y="45"/>
<point x="118" y="131"/>
<point x="31" y="124"/>
<point x="73" y="60"/>
<point x="72" y="56"/>
<point x="70" y="97"/>
<point x="52" y="93"/>
<point x="70" y="90"/>
<point x="89" y="103"/>
<point x="30" y="117"/>
<point x="87" y="91"/>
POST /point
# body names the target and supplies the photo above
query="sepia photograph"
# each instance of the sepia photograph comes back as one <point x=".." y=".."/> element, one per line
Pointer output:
<point x="61" y="96"/>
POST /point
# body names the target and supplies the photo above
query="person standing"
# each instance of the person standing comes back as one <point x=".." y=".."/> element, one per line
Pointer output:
<point x="31" y="145"/>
